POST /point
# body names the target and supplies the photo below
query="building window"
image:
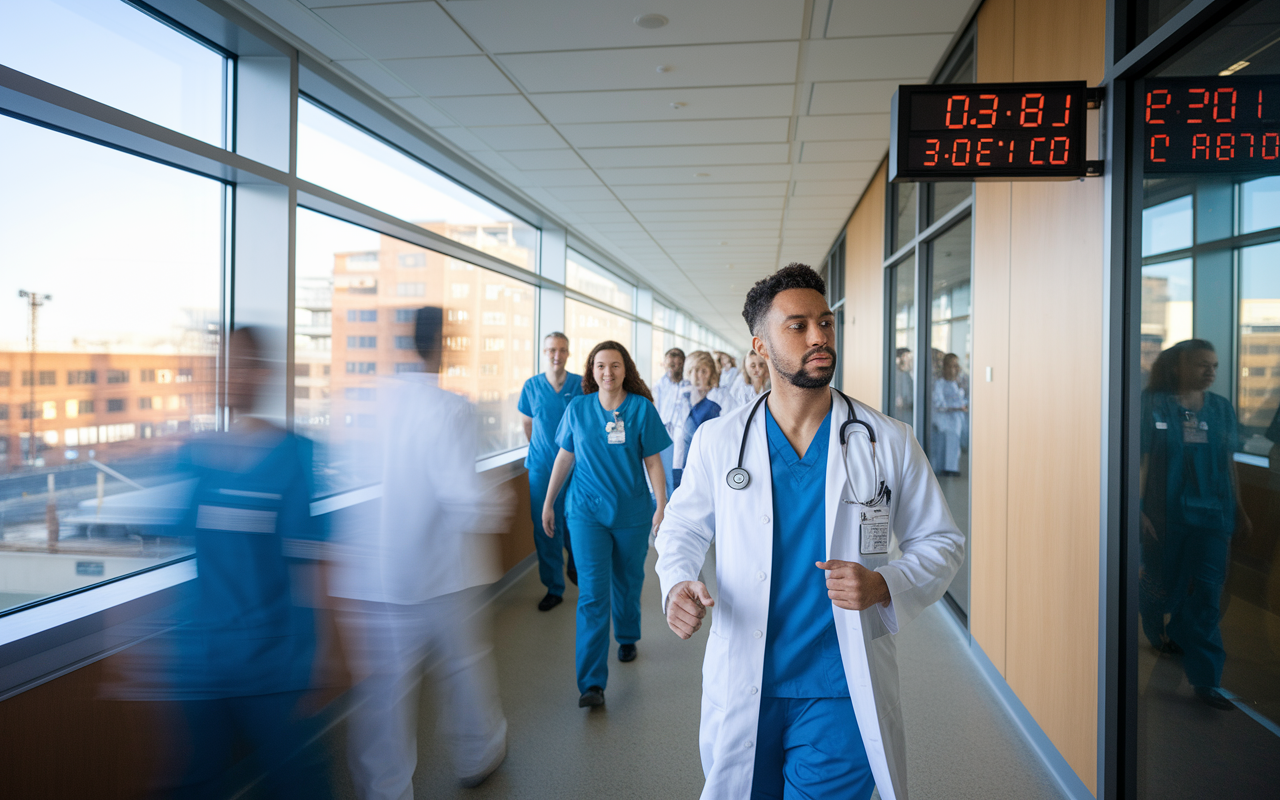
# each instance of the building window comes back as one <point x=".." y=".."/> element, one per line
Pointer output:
<point x="360" y="393"/>
<point x="117" y="376"/>
<point x="404" y="343"/>
<point x="404" y="367"/>
<point x="144" y="403"/>
<point x="185" y="375"/>
<point x="78" y="377"/>
<point x="115" y="404"/>
<point x="494" y="318"/>
<point x="362" y="315"/>
<point x="411" y="260"/>
<point x="147" y="375"/>
<point x="411" y="289"/>
<point x="4" y="378"/>
<point x="457" y="342"/>
<point x="492" y="291"/>
<point x="4" y="411"/>
<point x="456" y="371"/>
<point x="302" y="370"/>
<point x="84" y="406"/>
<point x="460" y="290"/>
<point x="44" y="377"/>
<point x="488" y="370"/>
<point x="494" y="343"/>
<point x="362" y="342"/>
<point x="459" y="315"/>
<point x="406" y="315"/>
<point x="362" y="367"/>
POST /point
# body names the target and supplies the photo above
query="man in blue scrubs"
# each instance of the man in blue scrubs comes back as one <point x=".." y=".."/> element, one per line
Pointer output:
<point x="805" y="711"/>
<point x="542" y="403"/>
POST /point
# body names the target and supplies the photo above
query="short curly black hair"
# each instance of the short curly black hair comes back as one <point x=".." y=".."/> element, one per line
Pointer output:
<point x="760" y="298"/>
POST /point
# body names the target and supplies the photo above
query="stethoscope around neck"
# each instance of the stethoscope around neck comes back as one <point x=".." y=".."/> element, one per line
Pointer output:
<point x="739" y="478"/>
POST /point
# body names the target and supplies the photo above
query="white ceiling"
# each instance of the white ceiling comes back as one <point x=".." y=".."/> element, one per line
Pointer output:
<point x="703" y="154"/>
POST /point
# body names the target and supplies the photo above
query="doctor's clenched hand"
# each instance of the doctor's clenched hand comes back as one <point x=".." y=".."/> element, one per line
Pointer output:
<point x="854" y="587"/>
<point x="686" y="606"/>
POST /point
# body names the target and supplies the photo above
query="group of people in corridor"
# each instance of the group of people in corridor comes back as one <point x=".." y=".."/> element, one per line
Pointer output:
<point x="831" y="533"/>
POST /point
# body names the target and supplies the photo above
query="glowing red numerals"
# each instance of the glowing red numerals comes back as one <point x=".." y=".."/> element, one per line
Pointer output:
<point x="1155" y="104"/>
<point x="983" y="152"/>
<point x="1037" y="110"/>
<point x="1230" y="114"/>
<point x="990" y="112"/>
<point x="956" y="155"/>
<point x="1154" y="139"/>
<point x="1066" y="115"/>
<point x="1033" y="149"/>
<point x="1064" y="156"/>
<point x="1204" y="93"/>
<point x="1200" y="144"/>
<point x="932" y="151"/>
<point x="964" y="112"/>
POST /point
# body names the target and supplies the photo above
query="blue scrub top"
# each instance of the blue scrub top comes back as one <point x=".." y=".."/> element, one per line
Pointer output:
<point x="245" y="634"/>
<point x="802" y="653"/>
<point x="1198" y="479"/>
<point x="546" y="406"/>
<point x="609" y="479"/>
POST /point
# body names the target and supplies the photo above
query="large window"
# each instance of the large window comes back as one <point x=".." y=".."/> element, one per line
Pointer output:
<point x="586" y="326"/>
<point x="593" y="280"/>
<point x="115" y="54"/>
<point x="93" y="239"/>
<point x="337" y="155"/>
<point x="354" y="332"/>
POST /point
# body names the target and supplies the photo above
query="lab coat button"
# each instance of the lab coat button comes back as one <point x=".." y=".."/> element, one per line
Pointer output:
<point x="747" y="744"/>
<point x="755" y="689"/>
<point x="757" y="634"/>
<point x="760" y="576"/>
<point x="764" y="519"/>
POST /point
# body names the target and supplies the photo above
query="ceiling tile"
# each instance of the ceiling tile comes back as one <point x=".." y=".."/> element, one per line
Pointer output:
<point x="845" y="170"/>
<point x="708" y="216"/>
<point x="828" y="188"/>
<point x="587" y="206"/>
<point x="459" y="75"/>
<point x="426" y="112"/>
<point x="689" y="132"/>
<point x="874" y="18"/>
<point x="711" y="227"/>
<point x="581" y="193"/>
<point x="825" y="152"/>
<point x="463" y="138"/>
<point x="544" y="159"/>
<point x="854" y="97"/>
<point x="518" y="25"/>
<point x="872" y="58"/>
<point x="511" y="109"/>
<point x="400" y="30"/>
<point x="698" y="156"/>
<point x="606" y="216"/>
<point x="377" y="77"/>
<point x="582" y="178"/>
<point x="702" y="190"/>
<point x="676" y="175"/>
<point x="819" y="202"/>
<point x="843" y="127"/>
<point x="727" y="204"/>
<point x="699" y="65"/>
<point x="493" y="160"/>
<point x="308" y="27"/>
<point x="520" y="137"/>
<point x="644" y="105"/>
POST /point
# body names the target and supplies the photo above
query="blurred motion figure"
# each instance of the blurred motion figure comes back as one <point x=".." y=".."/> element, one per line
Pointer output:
<point x="401" y="578"/>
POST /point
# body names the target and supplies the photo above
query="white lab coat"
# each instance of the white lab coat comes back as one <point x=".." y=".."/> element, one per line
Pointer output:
<point x="925" y="552"/>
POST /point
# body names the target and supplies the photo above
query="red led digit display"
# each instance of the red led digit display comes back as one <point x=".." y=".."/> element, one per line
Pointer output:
<point x="1221" y="124"/>
<point x="997" y="131"/>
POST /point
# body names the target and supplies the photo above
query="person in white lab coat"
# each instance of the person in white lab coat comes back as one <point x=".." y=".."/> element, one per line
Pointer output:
<point x="666" y="397"/>
<point x="753" y="382"/>
<point x="729" y="372"/>
<point x="824" y="551"/>
<point x="400" y="578"/>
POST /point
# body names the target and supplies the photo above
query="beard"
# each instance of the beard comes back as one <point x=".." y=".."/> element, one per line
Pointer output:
<point x="796" y="375"/>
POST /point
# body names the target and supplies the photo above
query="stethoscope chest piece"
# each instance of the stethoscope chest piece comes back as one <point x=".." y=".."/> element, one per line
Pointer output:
<point x="738" y="478"/>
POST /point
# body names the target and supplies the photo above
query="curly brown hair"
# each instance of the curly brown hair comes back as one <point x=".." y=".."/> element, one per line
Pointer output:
<point x="632" y="383"/>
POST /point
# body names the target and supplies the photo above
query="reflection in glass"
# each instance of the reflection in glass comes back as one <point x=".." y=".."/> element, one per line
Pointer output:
<point x="902" y="389"/>
<point x="115" y="54"/>
<point x="339" y="156"/>
<point x="949" y="370"/>
<point x="904" y="220"/>
<point x="586" y="326"/>
<point x="356" y="295"/>
<point x="1166" y="308"/>
<point x="945" y="196"/>
<point x="1258" y="390"/>
<point x="1167" y="227"/>
<point x="595" y="281"/>
<point x="123" y="362"/>
<point x="1259" y="204"/>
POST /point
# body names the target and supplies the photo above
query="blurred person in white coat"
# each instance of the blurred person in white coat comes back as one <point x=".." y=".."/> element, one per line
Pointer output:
<point x="401" y="579"/>
<point x="825" y="547"/>
<point x="666" y="397"/>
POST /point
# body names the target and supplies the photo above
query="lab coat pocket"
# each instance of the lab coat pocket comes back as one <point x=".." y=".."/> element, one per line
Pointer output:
<point x="715" y="671"/>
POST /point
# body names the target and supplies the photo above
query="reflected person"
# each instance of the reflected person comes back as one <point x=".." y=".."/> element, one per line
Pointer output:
<point x="950" y="406"/>
<point x="246" y="655"/>
<point x="401" y="578"/>
<point x="543" y="401"/>
<point x="1190" y="510"/>
<point x="904" y="385"/>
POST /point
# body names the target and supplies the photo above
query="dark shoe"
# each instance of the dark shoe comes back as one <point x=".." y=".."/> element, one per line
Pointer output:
<point x="472" y="781"/>
<point x="549" y="602"/>
<point x="592" y="697"/>
<point x="1214" y="698"/>
<point x="572" y="575"/>
<point x="626" y="652"/>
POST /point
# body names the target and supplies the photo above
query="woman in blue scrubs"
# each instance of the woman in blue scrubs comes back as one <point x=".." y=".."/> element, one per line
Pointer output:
<point x="609" y="438"/>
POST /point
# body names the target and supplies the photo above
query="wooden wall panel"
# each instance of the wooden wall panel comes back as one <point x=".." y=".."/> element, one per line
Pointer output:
<point x="1056" y="41"/>
<point x="864" y="295"/>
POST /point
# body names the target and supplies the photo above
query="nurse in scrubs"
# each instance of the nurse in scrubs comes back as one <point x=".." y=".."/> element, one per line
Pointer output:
<point x="609" y="439"/>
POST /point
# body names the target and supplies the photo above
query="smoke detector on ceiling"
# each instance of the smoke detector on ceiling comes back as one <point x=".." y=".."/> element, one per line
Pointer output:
<point x="651" y="21"/>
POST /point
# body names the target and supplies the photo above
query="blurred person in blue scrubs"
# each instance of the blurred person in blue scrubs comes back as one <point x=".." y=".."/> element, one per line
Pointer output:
<point x="1191" y="510"/>
<point x="246" y="654"/>
<point x="543" y="401"/>
<point x="666" y="396"/>
<point x="609" y="439"/>
<point x="705" y="376"/>
<point x="402" y="576"/>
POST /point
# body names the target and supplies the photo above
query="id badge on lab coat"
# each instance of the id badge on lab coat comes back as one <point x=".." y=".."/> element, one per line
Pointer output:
<point x="873" y="528"/>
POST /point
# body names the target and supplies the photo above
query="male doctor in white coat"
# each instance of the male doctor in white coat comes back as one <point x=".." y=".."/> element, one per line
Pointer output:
<point x="824" y="551"/>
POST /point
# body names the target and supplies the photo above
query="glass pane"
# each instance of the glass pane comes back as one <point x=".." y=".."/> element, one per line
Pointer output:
<point x="357" y="293"/>
<point x="902" y="390"/>
<point x="1167" y="227"/>
<point x="1259" y="205"/>
<point x="591" y="279"/>
<point x="115" y="54"/>
<point x="586" y="326"/>
<point x="1258" y="393"/>
<point x="950" y="356"/>
<point x="1166" y="308"/>
<point x="123" y="362"/>
<point x="904" y="221"/>
<point x="945" y="196"/>
<point x="336" y="155"/>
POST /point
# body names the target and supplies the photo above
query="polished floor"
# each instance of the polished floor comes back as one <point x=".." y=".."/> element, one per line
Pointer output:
<point x="643" y="743"/>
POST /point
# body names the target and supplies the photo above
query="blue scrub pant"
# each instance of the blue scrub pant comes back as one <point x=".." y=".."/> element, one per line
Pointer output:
<point x="810" y="749"/>
<point x="610" y="576"/>
<point x="550" y="548"/>
<point x="1195" y="600"/>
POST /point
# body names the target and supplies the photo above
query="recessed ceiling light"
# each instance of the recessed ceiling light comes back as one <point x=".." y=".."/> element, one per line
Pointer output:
<point x="702" y="174"/>
<point x="651" y="21"/>
<point x="1234" y="68"/>
<point x="678" y="105"/>
<point x="663" y="68"/>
